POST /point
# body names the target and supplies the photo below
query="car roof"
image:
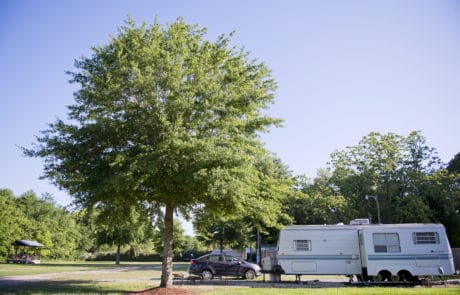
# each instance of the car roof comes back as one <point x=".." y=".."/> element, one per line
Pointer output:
<point x="216" y="254"/>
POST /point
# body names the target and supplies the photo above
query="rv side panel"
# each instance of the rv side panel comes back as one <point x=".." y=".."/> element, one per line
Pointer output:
<point x="418" y="249"/>
<point x="319" y="250"/>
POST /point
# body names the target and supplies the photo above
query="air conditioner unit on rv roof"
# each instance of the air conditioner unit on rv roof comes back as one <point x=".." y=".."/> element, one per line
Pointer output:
<point x="360" y="221"/>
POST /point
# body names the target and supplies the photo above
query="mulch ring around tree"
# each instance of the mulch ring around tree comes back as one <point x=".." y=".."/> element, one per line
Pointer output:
<point x="165" y="291"/>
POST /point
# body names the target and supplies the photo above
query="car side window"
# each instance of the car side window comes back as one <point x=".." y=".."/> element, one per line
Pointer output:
<point x="230" y="259"/>
<point x="215" y="258"/>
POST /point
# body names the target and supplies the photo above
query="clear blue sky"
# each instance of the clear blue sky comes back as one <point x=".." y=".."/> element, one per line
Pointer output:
<point x="344" y="69"/>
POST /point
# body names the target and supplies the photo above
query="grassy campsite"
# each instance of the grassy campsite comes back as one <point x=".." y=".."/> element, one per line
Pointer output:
<point x="106" y="278"/>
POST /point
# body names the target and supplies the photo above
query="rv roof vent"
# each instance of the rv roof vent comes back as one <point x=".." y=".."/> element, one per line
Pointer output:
<point x="360" y="221"/>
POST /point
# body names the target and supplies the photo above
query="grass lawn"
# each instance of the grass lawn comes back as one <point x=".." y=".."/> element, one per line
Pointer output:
<point x="51" y="267"/>
<point x="334" y="291"/>
<point x="81" y="277"/>
<point x="107" y="278"/>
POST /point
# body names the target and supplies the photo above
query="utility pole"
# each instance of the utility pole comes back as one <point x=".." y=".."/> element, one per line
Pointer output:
<point x="378" y="206"/>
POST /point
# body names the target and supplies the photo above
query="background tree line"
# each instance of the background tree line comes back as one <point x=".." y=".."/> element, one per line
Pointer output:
<point x="73" y="235"/>
<point x="31" y="218"/>
<point x="406" y="175"/>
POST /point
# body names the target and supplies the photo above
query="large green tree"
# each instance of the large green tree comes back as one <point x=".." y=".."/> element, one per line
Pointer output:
<point x="165" y="116"/>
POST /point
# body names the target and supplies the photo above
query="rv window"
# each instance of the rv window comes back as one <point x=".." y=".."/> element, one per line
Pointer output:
<point x="426" y="238"/>
<point x="302" y="245"/>
<point x="386" y="243"/>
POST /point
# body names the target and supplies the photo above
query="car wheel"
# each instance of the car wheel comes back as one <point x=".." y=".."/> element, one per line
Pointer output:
<point x="206" y="274"/>
<point x="249" y="274"/>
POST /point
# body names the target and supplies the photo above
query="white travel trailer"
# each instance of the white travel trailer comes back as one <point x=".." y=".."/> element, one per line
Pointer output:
<point x="390" y="252"/>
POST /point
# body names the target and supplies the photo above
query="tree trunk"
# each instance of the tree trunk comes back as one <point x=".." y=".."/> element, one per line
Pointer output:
<point x="166" y="270"/>
<point x="117" y="259"/>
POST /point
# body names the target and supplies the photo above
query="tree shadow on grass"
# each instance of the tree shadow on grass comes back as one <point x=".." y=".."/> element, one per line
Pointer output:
<point x="97" y="264"/>
<point x="59" y="287"/>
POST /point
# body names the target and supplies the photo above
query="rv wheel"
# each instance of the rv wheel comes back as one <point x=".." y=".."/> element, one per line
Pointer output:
<point x="383" y="276"/>
<point x="405" y="276"/>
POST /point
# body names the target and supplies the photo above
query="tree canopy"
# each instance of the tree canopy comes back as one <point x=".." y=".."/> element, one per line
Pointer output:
<point x="454" y="164"/>
<point x="165" y="116"/>
<point x="390" y="166"/>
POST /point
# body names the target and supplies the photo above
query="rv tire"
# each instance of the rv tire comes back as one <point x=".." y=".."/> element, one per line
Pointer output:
<point x="383" y="276"/>
<point x="377" y="279"/>
<point x="405" y="276"/>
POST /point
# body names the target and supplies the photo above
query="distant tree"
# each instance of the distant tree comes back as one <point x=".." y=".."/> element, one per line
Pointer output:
<point x="119" y="225"/>
<point x="49" y="224"/>
<point x="13" y="222"/>
<point x="316" y="203"/>
<point x="454" y="164"/>
<point x="223" y="232"/>
<point x="193" y="247"/>
<point x="390" y="166"/>
<point x="87" y="228"/>
<point x="441" y="190"/>
<point x="40" y="212"/>
<point x="179" y="239"/>
<point x="163" y="115"/>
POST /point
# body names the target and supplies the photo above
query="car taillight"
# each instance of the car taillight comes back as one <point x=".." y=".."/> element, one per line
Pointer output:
<point x="193" y="261"/>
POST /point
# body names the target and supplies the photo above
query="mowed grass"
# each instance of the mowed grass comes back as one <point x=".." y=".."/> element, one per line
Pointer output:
<point x="51" y="267"/>
<point x="107" y="278"/>
<point x="334" y="291"/>
<point x="81" y="277"/>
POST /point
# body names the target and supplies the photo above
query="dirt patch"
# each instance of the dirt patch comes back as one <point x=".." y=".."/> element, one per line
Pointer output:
<point x="165" y="291"/>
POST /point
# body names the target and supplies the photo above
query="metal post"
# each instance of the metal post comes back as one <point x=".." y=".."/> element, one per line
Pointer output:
<point x="378" y="209"/>
<point x="258" y="254"/>
<point x="378" y="206"/>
